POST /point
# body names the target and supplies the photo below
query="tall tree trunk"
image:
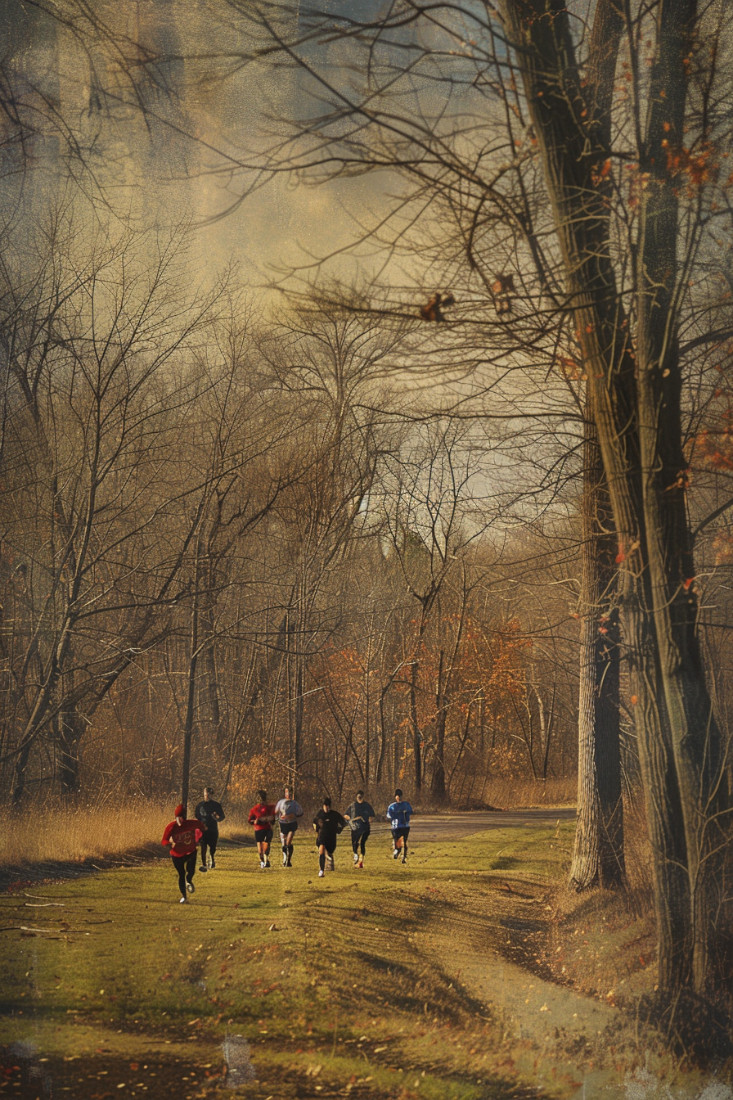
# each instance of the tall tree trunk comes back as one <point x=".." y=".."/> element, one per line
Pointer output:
<point x="209" y="707"/>
<point x="68" y="732"/>
<point x="598" y="851"/>
<point x="190" y="699"/>
<point x="696" y="744"/>
<point x="415" y="724"/>
<point x="437" y="781"/>
<point x="20" y="775"/>
<point x="635" y="400"/>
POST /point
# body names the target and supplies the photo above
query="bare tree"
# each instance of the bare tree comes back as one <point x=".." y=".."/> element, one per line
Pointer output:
<point x="87" y="493"/>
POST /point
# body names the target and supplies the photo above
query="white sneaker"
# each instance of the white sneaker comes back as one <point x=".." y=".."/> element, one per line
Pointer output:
<point x="262" y="864"/>
<point x="183" y="901"/>
<point x="320" y="875"/>
<point x="396" y="854"/>
<point x="190" y="887"/>
<point x="356" y="857"/>
<point x="330" y="863"/>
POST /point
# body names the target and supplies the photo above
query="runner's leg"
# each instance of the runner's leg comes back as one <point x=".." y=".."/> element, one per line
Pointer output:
<point x="179" y="862"/>
<point x="190" y="869"/>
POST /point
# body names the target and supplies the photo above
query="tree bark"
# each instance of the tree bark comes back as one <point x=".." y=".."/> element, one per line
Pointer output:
<point x="68" y="732"/>
<point x="437" y="780"/>
<point x="598" y="851"/>
<point x="415" y="724"/>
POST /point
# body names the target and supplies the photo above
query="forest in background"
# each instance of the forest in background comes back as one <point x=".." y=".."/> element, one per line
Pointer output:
<point x="255" y="533"/>
<point x="454" y="508"/>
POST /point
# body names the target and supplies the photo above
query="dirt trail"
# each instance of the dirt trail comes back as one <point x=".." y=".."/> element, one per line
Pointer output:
<point x="556" y="1035"/>
<point x="492" y="940"/>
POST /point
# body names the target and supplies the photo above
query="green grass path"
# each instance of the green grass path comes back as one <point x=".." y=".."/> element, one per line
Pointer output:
<point x="333" y="987"/>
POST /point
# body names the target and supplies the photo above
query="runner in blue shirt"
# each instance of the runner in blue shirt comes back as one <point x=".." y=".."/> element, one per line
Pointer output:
<point x="399" y="813"/>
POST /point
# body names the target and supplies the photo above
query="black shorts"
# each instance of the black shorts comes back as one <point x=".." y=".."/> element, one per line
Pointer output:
<point x="287" y="827"/>
<point x="263" y="836"/>
<point x="403" y="831"/>
<point x="328" y="842"/>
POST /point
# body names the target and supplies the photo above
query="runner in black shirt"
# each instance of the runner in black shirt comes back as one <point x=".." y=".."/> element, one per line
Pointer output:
<point x="358" y="815"/>
<point x="328" y="824"/>
<point x="209" y="814"/>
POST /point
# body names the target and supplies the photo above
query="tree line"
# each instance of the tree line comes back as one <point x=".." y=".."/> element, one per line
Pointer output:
<point x="250" y="534"/>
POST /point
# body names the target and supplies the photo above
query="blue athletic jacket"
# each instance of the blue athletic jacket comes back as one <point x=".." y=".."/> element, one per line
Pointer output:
<point x="399" y="814"/>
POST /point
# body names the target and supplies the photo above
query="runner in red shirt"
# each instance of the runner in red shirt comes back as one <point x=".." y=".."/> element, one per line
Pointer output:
<point x="262" y="816"/>
<point x="183" y="836"/>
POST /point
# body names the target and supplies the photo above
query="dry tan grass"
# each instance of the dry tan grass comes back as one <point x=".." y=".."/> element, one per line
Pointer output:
<point x="60" y="833"/>
<point x="515" y="794"/>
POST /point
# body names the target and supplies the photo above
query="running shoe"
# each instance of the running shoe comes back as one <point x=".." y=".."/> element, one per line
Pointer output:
<point x="183" y="901"/>
<point x="356" y="857"/>
<point x="190" y="887"/>
<point x="262" y="864"/>
<point x="320" y="875"/>
<point x="288" y="862"/>
<point x="396" y="854"/>
<point x="203" y="869"/>
<point x="267" y="863"/>
<point x="360" y="863"/>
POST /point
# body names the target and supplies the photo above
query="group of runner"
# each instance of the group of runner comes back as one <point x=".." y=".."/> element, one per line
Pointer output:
<point x="184" y="835"/>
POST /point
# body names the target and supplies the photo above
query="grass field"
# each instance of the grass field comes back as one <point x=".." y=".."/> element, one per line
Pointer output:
<point x="402" y="982"/>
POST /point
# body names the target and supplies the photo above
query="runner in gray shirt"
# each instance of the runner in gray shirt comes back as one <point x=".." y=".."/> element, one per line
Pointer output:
<point x="287" y="812"/>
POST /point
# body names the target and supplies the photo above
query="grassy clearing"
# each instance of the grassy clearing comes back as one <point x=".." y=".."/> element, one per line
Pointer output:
<point x="365" y="983"/>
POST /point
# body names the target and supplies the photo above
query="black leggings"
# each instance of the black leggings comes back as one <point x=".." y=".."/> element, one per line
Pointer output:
<point x="186" y="867"/>
<point x="358" y="840"/>
<point x="210" y="840"/>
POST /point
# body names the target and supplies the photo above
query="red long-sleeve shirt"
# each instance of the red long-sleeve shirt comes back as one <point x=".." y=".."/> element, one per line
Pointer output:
<point x="262" y="816"/>
<point x="185" y="836"/>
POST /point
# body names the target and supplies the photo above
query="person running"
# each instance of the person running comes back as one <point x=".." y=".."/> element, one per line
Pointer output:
<point x="328" y="824"/>
<point x="182" y="835"/>
<point x="287" y="812"/>
<point x="262" y="816"/>
<point x="209" y="814"/>
<point x="399" y="813"/>
<point x="358" y="815"/>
